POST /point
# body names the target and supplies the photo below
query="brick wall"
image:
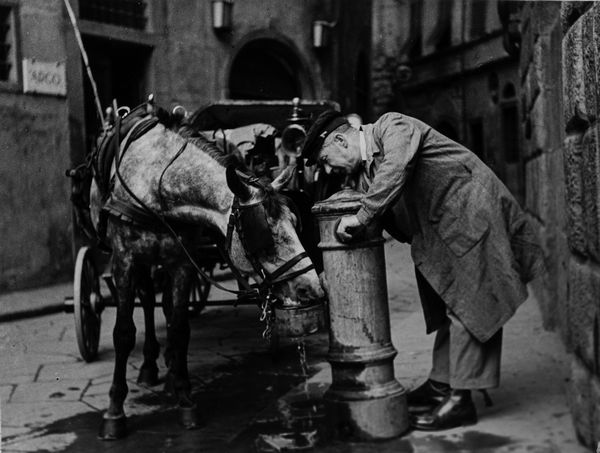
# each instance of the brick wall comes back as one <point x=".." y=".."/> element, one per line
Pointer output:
<point x="559" y="70"/>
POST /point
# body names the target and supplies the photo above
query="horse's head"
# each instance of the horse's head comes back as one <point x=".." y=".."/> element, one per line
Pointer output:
<point x="265" y="238"/>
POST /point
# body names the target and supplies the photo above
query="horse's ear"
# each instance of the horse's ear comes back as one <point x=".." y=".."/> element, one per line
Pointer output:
<point x="236" y="185"/>
<point x="284" y="178"/>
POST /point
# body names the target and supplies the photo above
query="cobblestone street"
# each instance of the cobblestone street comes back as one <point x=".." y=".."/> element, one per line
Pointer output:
<point x="52" y="401"/>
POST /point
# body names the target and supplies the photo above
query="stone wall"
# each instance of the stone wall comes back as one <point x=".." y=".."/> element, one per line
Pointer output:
<point x="391" y="30"/>
<point x="562" y="173"/>
<point x="190" y="64"/>
<point x="193" y="62"/>
<point x="35" y="222"/>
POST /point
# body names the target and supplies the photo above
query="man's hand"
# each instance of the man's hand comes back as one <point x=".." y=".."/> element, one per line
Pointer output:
<point x="348" y="227"/>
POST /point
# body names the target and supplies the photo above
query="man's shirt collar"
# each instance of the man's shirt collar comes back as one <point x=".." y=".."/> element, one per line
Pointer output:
<point x="363" y="146"/>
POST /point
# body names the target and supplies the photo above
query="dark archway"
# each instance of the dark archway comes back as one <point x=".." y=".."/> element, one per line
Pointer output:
<point x="265" y="69"/>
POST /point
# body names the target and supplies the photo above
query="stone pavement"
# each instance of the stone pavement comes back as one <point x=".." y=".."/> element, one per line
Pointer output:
<point x="51" y="401"/>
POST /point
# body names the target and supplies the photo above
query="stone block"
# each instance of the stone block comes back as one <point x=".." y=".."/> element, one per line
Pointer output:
<point x="557" y="216"/>
<point x="591" y="190"/>
<point x="533" y="81"/>
<point x="571" y="11"/>
<point x="584" y="285"/>
<point x="525" y="96"/>
<point x="547" y="15"/>
<point x="573" y="80"/>
<point x="536" y="186"/>
<point x="541" y="137"/>
<point x="558" y="285"/>
<point x="595" y="401"/>
<point x="590" y="68"/>
<point x="548" y="66"/>
<point x="574" y="186"/>
<point x="527" y="42"/>
<point x="580" y="402"/>
<point x="544" y="289"/>
<point x="593" y="51"/>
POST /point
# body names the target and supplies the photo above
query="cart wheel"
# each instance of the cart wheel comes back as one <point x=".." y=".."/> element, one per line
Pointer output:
<point x="87" y="305"/>
<point x="198" y="294"/>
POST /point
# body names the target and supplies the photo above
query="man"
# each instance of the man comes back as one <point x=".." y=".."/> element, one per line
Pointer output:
<point x="473" y="248"/>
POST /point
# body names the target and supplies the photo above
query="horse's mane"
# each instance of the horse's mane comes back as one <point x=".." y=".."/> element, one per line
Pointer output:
<point x="274" y="202"/>
<point x="196" y="138"/>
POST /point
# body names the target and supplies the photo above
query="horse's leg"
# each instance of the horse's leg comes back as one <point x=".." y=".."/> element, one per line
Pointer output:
<point x="113" y="424"/>
<point x="178" y="337"/>
<point x="167" y="308"/>
<point x="145" y="287"/>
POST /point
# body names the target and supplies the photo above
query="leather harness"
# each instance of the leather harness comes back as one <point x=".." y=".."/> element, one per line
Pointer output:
<point x="112" y="150"/>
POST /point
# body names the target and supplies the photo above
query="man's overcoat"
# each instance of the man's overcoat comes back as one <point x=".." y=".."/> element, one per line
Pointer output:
<point x="469" y="237"/>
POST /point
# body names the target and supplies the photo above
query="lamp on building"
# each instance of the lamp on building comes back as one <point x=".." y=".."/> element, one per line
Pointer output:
<point x="222" y="15"/>
<point x="321" y="33"/>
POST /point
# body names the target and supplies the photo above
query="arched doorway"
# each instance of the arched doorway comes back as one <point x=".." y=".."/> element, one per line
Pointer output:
<point x="264" y="69"/>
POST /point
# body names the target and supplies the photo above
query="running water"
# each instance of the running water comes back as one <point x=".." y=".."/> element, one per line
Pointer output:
<point x="301" y="412"/>
<point x="305" y="405"/>
<point x="301" y="348"/>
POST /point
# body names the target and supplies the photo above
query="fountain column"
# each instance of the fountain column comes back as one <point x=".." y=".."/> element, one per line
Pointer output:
<point x="364" y="401"/>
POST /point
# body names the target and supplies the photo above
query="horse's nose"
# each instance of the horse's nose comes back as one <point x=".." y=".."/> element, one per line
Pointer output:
<point x="309" y="290"/>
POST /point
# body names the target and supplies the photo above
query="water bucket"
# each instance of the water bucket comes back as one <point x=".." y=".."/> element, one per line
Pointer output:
<point x="299" y="320"/>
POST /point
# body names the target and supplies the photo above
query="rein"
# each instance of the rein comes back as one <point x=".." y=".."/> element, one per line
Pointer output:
<point x="268" y="279"/>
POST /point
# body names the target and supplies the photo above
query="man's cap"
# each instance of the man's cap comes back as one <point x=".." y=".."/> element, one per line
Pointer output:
<point x="326" y="123"/>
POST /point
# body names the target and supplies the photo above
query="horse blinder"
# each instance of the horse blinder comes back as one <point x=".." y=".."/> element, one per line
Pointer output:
<point x="254" y="230"/>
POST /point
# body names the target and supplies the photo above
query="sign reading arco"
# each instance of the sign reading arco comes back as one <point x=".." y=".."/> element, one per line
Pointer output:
<point x="44" y="77"/>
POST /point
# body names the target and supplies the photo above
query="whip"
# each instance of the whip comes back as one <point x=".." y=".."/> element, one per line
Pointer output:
<point x="85" y="60"/>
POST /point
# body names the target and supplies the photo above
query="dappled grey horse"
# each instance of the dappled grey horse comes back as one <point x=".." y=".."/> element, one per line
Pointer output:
<point x="183" y="185"/>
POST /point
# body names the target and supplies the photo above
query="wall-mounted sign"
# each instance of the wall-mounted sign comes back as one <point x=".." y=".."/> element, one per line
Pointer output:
<point x="44" y="77"/>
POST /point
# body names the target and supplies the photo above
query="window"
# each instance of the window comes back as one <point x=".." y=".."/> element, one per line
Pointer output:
<point x="8" y="44"/>
<point x="123" y="13"/>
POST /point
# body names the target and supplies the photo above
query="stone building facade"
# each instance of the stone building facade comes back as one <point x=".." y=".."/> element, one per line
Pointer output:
<point x="167" y="47"/>
<point x="444" y="62"/>
<point x="34" y="148"/>
<point x="559" y="68"/>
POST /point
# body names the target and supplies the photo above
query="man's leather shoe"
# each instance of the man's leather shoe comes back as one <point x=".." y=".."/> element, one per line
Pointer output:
<point x="427" y="396"/>
<point x="457" y="409"/>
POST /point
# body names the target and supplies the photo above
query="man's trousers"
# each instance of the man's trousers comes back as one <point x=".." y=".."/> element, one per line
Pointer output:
<point x="459" y="359"/>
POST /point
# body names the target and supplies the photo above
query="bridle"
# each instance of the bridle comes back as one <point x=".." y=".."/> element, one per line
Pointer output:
<point x="268" y="279"/>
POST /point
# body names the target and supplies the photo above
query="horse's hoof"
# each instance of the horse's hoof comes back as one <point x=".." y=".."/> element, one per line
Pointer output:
<point x="148" y="377"/>
<point x="113" y="428"/>
<point x="189" y="417"/>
